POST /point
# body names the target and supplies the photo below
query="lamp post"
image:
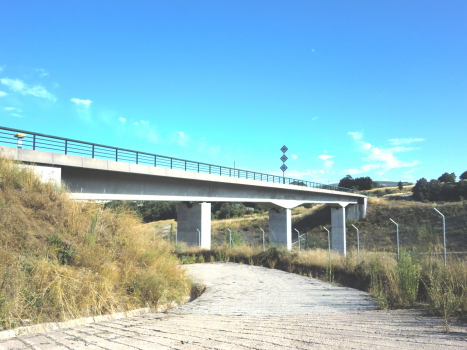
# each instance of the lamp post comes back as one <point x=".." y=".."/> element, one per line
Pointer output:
<point x="444" y="234"/>
<point x="397" y="225"/>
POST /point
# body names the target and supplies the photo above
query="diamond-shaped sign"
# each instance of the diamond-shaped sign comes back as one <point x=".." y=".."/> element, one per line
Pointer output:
<point x="284" y="149"/>
<point x="284" y="167"/>
<point x="284" y="158"/>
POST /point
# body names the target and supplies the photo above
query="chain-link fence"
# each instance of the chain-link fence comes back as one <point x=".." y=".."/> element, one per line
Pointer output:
<point x="422" y="236"/>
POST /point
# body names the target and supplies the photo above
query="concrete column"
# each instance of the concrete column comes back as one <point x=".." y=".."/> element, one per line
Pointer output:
<point x="190" y="219"/>
<point x="338" y="238"/>
<point x="280" y="227"/>
<point x="356" y="212"/>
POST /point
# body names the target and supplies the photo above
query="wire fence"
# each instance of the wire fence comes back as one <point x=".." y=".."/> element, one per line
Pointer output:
<point x="422" y="236"/>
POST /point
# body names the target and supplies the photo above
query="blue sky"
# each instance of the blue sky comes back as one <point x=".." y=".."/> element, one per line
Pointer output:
<point x="364" y="88"/>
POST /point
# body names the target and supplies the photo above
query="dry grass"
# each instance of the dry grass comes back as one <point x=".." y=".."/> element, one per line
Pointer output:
<point x="62" y="259"/>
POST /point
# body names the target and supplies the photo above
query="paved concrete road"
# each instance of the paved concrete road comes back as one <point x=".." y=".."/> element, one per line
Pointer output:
<point x="247" y="307"/>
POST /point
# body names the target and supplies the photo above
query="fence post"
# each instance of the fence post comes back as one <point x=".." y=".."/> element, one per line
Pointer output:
<point x="358" y="243"/>
<point x="66" y="146"/>
<point x="263" y="240"/>
<point x="444" y="234"/>
<point x="230" y="240"/>
<point x="397" y="238"/>
<point x="329" y="245"/>
<point x="34" y="142"/>
<point x="199" y="238"/>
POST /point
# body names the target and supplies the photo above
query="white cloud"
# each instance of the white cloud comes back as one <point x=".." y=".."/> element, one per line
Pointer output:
<point x="144" y="122"/>
<point x="55" y="84"/>
<point x="16" y="115"/>
<point x="325" y="156"/>
<point x="405" y="141"/>
<point x="42" y="72"/>
<point x="3" y="93"/>
<point x="328" y="164"/>
<point x="387" y="157"/>
<point x="1" y="68"/>
<point x="368" y="167"/>
<point x="352" y="171"/>
<point x="12" y="109"/>
<point x="365" y="145"/>
<point x="17" y="85"/>
<point x="356" y="135"/>
<point x="315" y="118"/>
<point x="123" y="120"/>
<point x="381" y="173"/>
<point x="136" y="123"/>
<point x="294" y="156"/>
<point x="78" y="102"/>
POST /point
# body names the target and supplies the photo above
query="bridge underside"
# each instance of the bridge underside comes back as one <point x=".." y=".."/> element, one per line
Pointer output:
<point x="95" y="179"/>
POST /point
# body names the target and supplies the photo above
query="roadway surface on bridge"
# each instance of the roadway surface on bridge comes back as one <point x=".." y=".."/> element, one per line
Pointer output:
<point x="248" y="307"/>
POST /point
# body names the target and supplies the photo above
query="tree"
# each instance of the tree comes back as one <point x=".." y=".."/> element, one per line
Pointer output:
<point x="347" y="182"/>
<point x="298" y="183"/>
<point x="401" y="187"/>
<point x="463" y="176"/>
<point x="421" y="190"/>
<point x="446" y="177"/>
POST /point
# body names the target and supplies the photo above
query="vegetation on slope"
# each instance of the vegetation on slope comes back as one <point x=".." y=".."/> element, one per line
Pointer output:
<point x="62" y="259"/>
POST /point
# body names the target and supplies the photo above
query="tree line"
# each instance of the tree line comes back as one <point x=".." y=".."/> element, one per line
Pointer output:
<point x="445" y="188"/>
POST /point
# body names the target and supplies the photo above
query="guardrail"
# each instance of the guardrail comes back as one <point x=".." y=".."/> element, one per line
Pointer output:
<point x="36" y="141"/>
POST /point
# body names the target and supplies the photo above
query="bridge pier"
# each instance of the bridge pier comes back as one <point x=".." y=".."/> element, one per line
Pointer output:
<point x="280" y="227"/>
<point x="338" y="232"/>
<point x="190" y="219"/>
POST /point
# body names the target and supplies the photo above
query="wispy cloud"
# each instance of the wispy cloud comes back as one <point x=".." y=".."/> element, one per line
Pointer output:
<point x="356" y="135"/>
<point x="325" y="156"/>
<point x="79" y="102"/>
<point x="382" y="159"/>
<point x="123" y="120"/>
<point x="16" y="115"/>
<point x="181" y="138"/>
<point x="314" y="118"/>
<point x="294" y="156"/>
<point x="19" y="86"/>
<point x="328" y="164"/>
<point x="42" y="72"/>
<point x="405" y="141"/>
<point x="3" y="93"/>
<point x="12" y="109"/>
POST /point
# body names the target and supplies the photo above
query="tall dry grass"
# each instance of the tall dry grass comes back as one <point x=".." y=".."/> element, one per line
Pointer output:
<point x="62" y="259"/>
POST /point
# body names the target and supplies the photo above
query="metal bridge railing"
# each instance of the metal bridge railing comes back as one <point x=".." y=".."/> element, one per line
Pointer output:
<point x="36" y="141"/>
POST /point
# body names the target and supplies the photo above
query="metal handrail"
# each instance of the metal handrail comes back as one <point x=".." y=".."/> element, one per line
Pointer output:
<point x="38" y="141"/>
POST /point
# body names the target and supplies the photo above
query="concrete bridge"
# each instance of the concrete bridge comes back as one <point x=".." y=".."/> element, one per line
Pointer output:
<point x="101" y="179"/>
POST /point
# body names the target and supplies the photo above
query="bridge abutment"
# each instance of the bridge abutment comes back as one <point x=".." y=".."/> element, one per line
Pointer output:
<point x="190" y="219"/>
<point x="280" y="227"/>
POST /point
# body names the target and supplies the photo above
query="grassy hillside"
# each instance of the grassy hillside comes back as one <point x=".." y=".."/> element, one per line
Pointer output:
<point x="62" y="259"/>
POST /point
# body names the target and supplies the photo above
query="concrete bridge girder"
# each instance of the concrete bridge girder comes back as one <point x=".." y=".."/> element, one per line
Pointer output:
<point x="96" y="179"/>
